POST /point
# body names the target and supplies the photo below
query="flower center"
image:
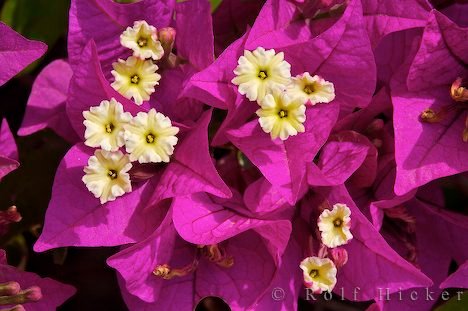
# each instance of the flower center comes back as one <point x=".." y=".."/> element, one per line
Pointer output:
<point x="283" y="114"/>
<point x="142" y="42"/>
<point x="313" y="273"/>
<point x="150" y="138"/>
<point x="309" y="89"/>
<point x="112" y="174"/>
<point x="337" y="222"/>
<point x="262" y="74"/>
<point x="135" y="79"/>
<point x="459" y="92"/>
<point x="109" y="128"/>
<point x="217" y="255"/>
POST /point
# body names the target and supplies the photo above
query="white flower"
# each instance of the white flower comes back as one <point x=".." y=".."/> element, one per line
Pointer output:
<point x="281" y="115"/>
<point x="319" y="274"/>
<point x="315" y="89"/>
<point x="143" y="40"/>
<point x="150" y="137"/>
<point x="135" y="78"/>
<point x="107" y="175"/>
<point x="260" y="72"/>
<point x="104" y="125"/>
<point x="334" y="225"/>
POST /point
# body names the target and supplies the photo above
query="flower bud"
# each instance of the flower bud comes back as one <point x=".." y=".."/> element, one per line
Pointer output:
<point x="33" y="293"/>
<point x="339" y="256"/>
<point x="375" y="126"/>
<point x="9" y="288"/>
<point x="167" y="36"/>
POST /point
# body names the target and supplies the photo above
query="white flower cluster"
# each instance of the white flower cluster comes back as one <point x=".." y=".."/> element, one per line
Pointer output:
<point x="136" y="77"/>
<point x="264" y="76"/>
<point x="149" y="137"/>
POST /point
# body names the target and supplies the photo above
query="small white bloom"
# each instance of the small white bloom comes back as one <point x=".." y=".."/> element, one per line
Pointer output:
<point x="281" y="115"/>
<point x="319" y="274"/>
<point x="150" y="137"/>
<point x="104" y="125"/>
<point x="334" y="225"/>
<point x="315" y="89"/>
<point x="107" y="175"/>
<point x="260" y="72"/>
<point x="135" y="78"/>
<point x="143" y="40"/>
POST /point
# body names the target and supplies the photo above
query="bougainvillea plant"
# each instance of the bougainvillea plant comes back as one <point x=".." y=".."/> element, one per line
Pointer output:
<point x="274" y="154"/>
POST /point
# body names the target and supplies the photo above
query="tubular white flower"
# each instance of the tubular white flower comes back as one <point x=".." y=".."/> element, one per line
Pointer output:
<point x="281" y="115"/>
<point x="335" y="225"/>
<point x="104" y="125"/>
<point x="135" y="78"/>
<point x="311" y="88"/>
<point x="107" y="175"/>
<point x="260" y="72"/>
<point x="319" y="274"/>
<point x="143" y="40"/>
<point x="150" y="137"/>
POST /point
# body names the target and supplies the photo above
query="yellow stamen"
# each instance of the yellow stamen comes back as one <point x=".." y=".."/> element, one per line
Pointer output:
<point x="109" y="128"/>
<point x="112" y="174"/>
<point x="337" y="222"/>
<point x="150" y="138"/>
<point x="135" y="79"/>
<point x="166" y="272"/>
<point x="262" y="75"/>
<point x="218" y="256"/>
<point x="313" y="273"/>
<point x="142" y="42"/>
<point x="309" y="89"/>
<point x="283" y="114"/>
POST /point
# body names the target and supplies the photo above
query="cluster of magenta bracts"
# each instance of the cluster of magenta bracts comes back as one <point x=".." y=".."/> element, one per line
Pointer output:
<point x="20" y="290"/>
<point x="344" y="194"/>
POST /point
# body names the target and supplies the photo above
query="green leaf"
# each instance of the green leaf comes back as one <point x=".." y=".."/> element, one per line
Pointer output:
<point x="455" y="304"/>
<point x="215" y="4"/>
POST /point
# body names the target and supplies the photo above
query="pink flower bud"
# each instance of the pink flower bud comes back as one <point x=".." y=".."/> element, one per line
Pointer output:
<point x="9" y="288"/>
<point x="167" y="36"/>
<point x="33" y="293"/>
<point x="339" y="256"/>
<point x="375" y="126"/>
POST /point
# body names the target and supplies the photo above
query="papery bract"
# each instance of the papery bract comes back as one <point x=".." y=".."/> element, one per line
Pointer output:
<point x="16" y="52"/>
<point x="458" y="279"/>
<point x="46" y="104"/>
<point x="283" y="163"/>
<point x="240" y="285"/>
<point x="8" y="150"/>
<point x="384" y="17"/>
<point x="426" y="151"/>
<point x="435" y="255"/>
<point x="85" y="222"/>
